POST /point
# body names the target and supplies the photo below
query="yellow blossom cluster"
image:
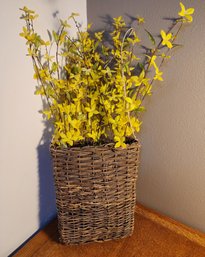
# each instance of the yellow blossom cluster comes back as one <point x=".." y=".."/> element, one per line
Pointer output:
<point x="95" y="91"/>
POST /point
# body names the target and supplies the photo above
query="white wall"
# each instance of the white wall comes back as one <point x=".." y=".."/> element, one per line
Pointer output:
<point x="172" y="169"/>
<point x="26" y="199"/>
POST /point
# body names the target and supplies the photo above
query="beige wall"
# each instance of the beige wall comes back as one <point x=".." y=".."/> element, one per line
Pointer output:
<point x="26" y="199"/>
<point x="172" y="170"/>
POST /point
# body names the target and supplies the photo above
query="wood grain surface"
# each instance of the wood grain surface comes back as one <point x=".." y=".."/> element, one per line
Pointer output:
<point x="155" y="235"/>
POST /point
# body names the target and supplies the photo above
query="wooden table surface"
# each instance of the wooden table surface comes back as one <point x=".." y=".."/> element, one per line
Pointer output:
<point x="155" y="235"/>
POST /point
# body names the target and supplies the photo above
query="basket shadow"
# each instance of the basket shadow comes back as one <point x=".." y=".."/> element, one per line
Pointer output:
<point x="47" y="204"/>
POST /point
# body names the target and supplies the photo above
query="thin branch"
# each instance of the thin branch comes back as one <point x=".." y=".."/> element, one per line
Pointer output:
<point x="127" y="34"/>
<point x="174" y="38"/>
<point x="149" y="63"/>
<point x="61" y="29"/>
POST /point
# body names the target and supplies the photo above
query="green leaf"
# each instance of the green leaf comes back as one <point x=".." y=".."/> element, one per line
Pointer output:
<point x="54" y="67"/>
<point x="176" y="45"/>
<point x="96" y="45"/>
<point x="141" y="65"/>
<point x="49" y="34"/>
<point x="55" y="36"/>
<point x="151" y="37"/>
<point x="75" y="14"/>
<point x="26" y="10"/>
<point x="64" y="23"/>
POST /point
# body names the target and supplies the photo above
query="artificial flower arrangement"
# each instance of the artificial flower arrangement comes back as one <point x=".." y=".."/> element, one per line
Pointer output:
<point x="95" y="90"/>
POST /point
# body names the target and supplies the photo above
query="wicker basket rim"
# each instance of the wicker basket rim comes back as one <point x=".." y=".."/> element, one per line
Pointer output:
<point x="102" y="146"/>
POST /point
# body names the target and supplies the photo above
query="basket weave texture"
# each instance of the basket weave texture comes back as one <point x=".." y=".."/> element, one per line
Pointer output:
<point x="95" y="191"/>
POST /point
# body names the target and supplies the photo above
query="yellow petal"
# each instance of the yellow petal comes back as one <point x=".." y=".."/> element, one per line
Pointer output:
<point x="124" y="145"/>
<point x="117" y="145"/>
<point x="163" y="34"/>
<point x="190" y="11"/>
<point x="189" y="18"/>
<point x="169" y="36"/>
<point x="182" y="8"/>
<point x="169" y="44"/>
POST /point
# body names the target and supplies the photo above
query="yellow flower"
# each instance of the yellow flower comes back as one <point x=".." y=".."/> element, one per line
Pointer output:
<point x="66" y="138"/>
<point x="91" y="111"/>
<point x="158" y="75"/>
<point x="152" y="60"/>
<point x="163" y="55"/>
<point x="166" y="39"/>
<point x="135" y="123"/>
<point x="99" y="35"/>
<point x="93" y="135"/>
<point x="119" y="22"/>
<point x="89" y="25"/>
<point x="120" y="142"/>
<point x="140" y="20"/>
<point x="47" y="113"/>
<point x="186" y="13"/>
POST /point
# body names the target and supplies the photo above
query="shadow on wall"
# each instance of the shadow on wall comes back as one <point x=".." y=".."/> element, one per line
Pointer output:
<point x="47" y="203"/>
<point x="47" y="206"/>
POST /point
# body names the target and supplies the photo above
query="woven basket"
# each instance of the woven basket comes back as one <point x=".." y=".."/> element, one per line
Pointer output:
<point x="95" y="192"/>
